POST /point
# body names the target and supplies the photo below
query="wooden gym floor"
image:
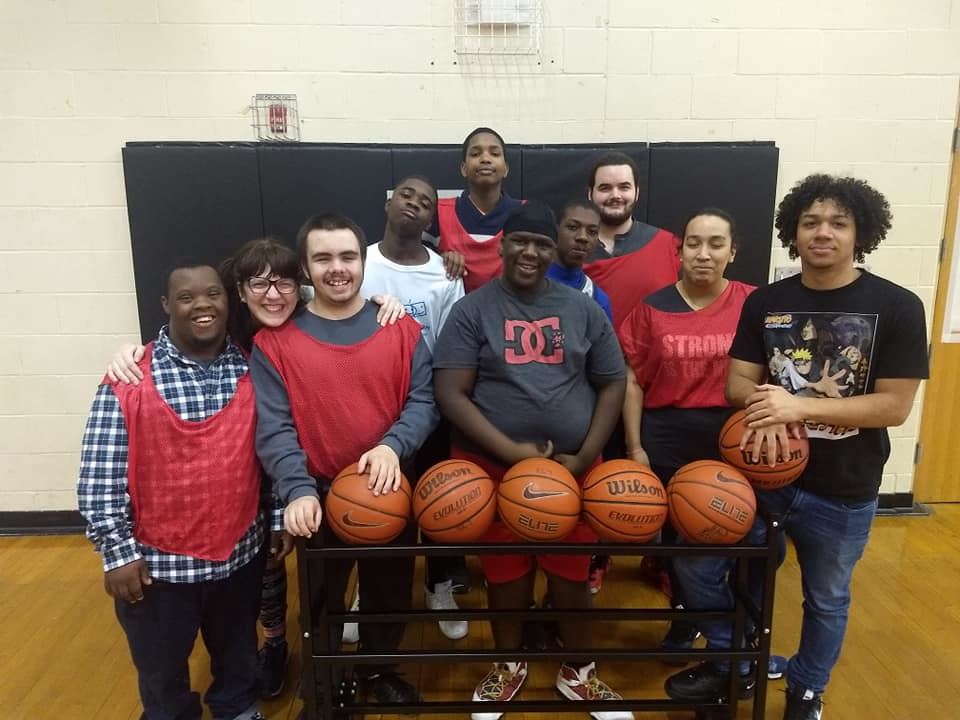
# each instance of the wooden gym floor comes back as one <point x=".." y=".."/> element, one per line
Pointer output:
<point x="63" y="656"/>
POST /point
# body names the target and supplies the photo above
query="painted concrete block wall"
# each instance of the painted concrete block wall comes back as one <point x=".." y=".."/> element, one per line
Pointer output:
<point x="862" y="87"/>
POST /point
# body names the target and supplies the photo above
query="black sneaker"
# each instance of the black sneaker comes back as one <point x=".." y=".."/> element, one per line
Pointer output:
<point x="272" y="669"/>
<point x="803" y="705"/>
<point x="389" y="687"/>
<point x="706" y="683"/>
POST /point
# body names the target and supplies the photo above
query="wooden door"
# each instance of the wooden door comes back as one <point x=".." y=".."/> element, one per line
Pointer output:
<point x="937" y="477"/>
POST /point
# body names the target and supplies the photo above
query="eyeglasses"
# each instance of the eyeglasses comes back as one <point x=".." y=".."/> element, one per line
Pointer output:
<point x="261" y="285"/>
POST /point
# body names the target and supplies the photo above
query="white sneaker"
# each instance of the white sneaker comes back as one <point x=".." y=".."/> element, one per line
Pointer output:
<point x="442" y="599"/>
<point x="351" y="631"/>
<point x="583" y="684"/>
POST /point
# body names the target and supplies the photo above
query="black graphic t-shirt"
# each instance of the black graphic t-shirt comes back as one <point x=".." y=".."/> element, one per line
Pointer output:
<point x="836" y="343"/>
<point x="536" y="360"/>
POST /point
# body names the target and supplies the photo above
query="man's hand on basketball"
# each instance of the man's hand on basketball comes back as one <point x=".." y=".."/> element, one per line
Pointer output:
<point x="522" y="451"/>
<point x="123" y="365"/>
<point x="455" y="264"/>
<point x="770" y="436"/>
<point x="126" y="582"/>
<point x="301" y="518"/>
<point x="384" y="469"/>
<point x="390" y="310"/>
<point x="771" y="405"/>
<point x="639" y="455"/>
<point x="574" y="463"/>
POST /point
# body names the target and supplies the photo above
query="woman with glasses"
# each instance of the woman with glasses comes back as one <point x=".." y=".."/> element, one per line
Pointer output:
<point x="266" y="276"/>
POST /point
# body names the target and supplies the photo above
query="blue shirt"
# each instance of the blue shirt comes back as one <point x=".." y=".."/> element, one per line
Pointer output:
<point x="578" y="280"/>
<point x="194" y="392"/>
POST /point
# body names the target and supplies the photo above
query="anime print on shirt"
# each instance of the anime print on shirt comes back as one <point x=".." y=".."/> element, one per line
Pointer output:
<point x="820" y="354"/>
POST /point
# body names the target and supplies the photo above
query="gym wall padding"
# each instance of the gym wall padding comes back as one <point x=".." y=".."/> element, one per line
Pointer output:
<point x="204" y="200"/>
<point x="738" y="178"/>
<point x="186" y="201"/>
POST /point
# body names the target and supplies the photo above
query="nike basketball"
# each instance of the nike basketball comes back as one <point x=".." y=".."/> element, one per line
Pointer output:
<point x="357" y="516"/>
<point x="539" y="500"/>
<point x="711" y="503"/>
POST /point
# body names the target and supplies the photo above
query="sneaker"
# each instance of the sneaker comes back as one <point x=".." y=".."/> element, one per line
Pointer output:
<point x="442" y="599"/>
<point x="805" y="705"/>
<point x="599" y="567"/>
<point x="776" y="667"/>
<point x="389" y="687"/>
<point x="272" y="669"/>
<point x="583" y="684"/>
<point x="706" y="683"/>
<point x="351" y="630"/>
<point x="500" y="685"/>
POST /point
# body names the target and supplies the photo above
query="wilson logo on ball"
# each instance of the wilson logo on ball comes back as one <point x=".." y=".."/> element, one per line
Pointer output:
<point x="633" y="487"/>
<point x="427" y="486"/>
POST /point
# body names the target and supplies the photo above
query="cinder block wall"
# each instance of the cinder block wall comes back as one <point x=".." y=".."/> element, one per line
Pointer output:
<point x="863" y="87"/>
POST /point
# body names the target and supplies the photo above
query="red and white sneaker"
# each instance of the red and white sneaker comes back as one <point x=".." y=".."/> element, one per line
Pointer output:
<point x="500" y="685"/>
<point x="583" y="684"/>
<point x="599" y="566"/>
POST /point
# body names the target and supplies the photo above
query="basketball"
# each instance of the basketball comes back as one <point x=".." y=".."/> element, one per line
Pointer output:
<point x="359" y="517"/>
<point x="539" y="500"/>
<point x="760" y="473"/>
<point x="454" y="501"/>
<point x="711" y="503"/>
<point x="624" y="501"/>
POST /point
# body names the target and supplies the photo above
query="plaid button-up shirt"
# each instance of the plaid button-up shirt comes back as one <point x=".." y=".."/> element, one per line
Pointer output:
<point x="194" y="392"/>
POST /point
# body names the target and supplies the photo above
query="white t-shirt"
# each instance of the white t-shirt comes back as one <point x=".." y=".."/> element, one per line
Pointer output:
<point x="424" y="290"/>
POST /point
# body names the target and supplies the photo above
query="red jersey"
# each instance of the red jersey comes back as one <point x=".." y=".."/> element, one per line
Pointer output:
<point x="343" y="398"/>
<point x="194" y="486"/>
<point x="632" y="276"/>
<point x="680" y="355"/>
<point x="482" y="257"/>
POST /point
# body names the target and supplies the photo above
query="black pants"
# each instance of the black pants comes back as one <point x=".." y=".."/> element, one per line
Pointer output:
<point x="162" y="628"/>
<point x="385" y="586"/>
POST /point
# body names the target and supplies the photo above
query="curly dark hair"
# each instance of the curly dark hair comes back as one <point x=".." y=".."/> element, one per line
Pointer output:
<point x="870" y="210"/>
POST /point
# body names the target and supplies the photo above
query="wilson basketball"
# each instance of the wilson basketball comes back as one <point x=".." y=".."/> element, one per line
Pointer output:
<point x="358" y="516"/>
<point x="539" y="500"/>
<point x="761" y="473"/>
<point x="624" y="501"/>
<point x="454" y="501"/>
<point x="711" y="503"/>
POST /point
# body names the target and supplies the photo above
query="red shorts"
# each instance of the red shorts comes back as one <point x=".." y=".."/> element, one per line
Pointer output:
<point x="507" y="568"/>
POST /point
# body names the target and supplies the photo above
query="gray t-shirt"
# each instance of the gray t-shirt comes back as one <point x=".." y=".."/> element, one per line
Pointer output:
<point x="538" y="360"/>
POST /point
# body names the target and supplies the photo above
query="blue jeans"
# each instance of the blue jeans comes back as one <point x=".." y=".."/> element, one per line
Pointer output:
<point x="830" y="537"/>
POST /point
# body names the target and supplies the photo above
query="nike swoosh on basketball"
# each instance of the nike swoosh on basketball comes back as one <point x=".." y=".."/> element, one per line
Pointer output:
<point x="723" y="478"/>
<point x="530" y="494"/>
<point x="350" y="522"/>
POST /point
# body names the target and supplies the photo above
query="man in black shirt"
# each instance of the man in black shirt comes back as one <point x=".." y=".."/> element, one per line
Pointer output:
<point x="838" y="353"/>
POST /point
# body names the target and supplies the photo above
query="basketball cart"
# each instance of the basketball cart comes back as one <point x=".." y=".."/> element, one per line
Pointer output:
<point x="329" y="687"/>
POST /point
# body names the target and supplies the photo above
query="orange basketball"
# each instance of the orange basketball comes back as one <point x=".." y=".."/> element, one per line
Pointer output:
<point x="454" y="501"/>
<point x="711" y="502"/>
<point x="358" y="516"/>
<point x="760" y="473"/>
<point x="624" y="501"/>
<point x="539" y="500"/>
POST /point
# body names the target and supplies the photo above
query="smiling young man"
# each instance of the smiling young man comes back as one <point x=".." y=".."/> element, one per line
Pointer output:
<point x="578" y="234"/>
<point x="472" y="223"/>
<point x="632" y="259"/>
<point x="830" y="312"/>
<point x="152" y="479"/>
<point x="335" y="389"/>
<point x="527" y="367"/>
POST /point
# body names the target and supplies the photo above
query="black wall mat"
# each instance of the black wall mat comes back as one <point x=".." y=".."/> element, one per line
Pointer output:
<point x="298" y="181"/>
<point x="558" y="173"/>
<point x="739" y="178"/>
<point x="198" y="201"/>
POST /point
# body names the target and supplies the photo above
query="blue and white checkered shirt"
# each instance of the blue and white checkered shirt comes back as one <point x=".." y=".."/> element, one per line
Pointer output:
<point x="195" y="393"/>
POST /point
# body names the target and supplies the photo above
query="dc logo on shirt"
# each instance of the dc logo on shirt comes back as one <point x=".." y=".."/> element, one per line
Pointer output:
<point x="539" y="341"/>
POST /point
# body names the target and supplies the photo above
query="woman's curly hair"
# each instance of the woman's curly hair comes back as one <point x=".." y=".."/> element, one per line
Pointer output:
<point x="870" y="210"/>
